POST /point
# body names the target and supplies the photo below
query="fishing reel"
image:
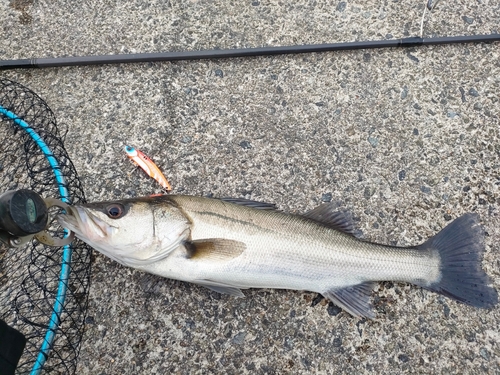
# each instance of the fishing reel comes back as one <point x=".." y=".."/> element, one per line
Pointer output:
<point x="25" y="215"/>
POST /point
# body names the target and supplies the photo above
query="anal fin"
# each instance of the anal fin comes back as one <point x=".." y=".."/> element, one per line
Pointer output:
<point x="354" y="299"/>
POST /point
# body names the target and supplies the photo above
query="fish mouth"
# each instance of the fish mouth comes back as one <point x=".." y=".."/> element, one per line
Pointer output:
<point x="84" y="224"/>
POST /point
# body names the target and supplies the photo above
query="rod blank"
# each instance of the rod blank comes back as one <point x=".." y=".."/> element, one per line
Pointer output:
<point x="242" y="52"/>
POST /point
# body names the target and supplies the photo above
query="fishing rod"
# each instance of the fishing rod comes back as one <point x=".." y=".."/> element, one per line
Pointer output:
<point x="242" y="52"/>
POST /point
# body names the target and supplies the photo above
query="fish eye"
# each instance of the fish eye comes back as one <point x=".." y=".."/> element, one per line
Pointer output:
<point x="115" y="210"/>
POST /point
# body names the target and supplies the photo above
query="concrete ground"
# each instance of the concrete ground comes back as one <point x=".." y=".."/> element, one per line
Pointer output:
<point x="405" y="139"/>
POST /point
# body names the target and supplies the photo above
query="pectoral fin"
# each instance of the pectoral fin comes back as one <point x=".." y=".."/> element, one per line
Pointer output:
<point x="354" y="299"/>
<point x="214" y="249"/>
<point x="220" y="288"/>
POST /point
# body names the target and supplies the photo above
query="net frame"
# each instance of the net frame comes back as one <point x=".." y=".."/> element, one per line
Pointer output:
<point x="43" y="289"/>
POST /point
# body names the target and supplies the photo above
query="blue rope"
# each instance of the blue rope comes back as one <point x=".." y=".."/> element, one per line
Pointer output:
<point x="55" y="320"/>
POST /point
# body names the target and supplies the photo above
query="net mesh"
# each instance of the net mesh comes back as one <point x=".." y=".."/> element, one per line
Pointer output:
<point x="43" y="289"/>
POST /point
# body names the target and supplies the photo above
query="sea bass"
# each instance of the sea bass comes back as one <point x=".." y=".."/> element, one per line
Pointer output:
<point x="232" y="244"/>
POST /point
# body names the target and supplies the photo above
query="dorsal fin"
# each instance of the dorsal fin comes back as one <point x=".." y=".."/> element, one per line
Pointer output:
<point x="214" y="249"/>
<point x="326" y="215"/>
<point x="250" y="203"/>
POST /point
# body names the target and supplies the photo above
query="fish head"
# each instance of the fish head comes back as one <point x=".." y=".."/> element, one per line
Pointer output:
<point x="131" y="232"/>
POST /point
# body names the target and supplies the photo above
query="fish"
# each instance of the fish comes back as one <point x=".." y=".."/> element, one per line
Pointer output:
<point x="145" y="162"/>
<point x="229" y="245"/>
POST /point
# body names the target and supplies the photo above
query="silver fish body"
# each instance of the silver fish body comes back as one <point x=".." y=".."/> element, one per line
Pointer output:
<point x="232" y="245"/>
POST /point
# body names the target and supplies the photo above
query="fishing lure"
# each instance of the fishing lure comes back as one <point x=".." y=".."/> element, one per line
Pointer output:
<point x="143" y="161"/>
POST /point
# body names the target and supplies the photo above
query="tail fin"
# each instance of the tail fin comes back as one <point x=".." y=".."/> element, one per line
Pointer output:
<point x="461" y="246"/>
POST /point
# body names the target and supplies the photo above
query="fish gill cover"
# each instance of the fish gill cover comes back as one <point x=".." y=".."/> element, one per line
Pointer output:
<point x="43" y="289"/>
